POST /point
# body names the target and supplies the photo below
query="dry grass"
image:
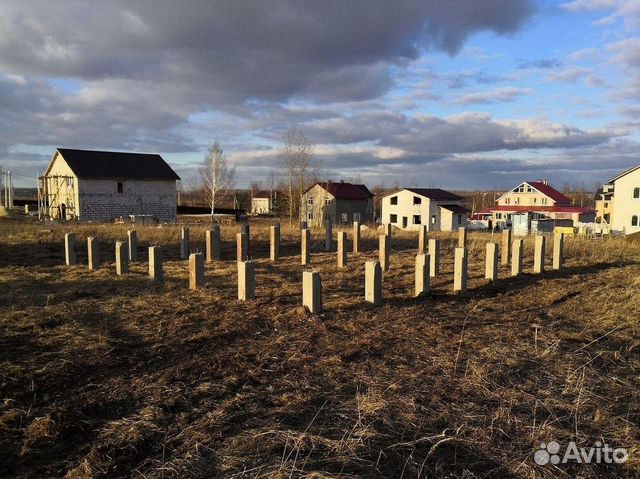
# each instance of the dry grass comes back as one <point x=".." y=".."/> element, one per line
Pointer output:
<point x="106" y="376"/>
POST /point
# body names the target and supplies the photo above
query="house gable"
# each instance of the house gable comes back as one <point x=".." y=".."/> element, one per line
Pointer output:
<point x="536" y="189"/>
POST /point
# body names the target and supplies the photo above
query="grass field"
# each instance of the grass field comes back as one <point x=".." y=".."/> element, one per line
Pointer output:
<point x="106" y="376"/>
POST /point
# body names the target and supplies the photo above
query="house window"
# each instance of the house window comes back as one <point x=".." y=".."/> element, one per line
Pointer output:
<point x="327" y="201"/>
<point x="417" y="201"/>
<point x="535" y="200"/>
<point x="634" y="220"/>
<point x="356" y="216"/>
<point x="394" y="200"/>
<point x="309" y="215"/>
<point x="543" y="201"/>
<point x="345" y="217"/>
<point x="529" y="189"/>
<point x="417" y="220"/>
<point x="498" y="216"/>
<point x="516" y="201"/>
<point x="606" y="205"/>
<point x="393" y="218"/>
<point x="310" y="201"/>
<point x="636" y="192"/>
<point x="433" y="219"/>
<point x="507" y="201"/>
<point x="120" y="187"/>
<point x="459" y="219"/>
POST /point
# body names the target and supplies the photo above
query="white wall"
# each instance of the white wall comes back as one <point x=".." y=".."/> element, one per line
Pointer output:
<point x="625" y="205"/>
<point x="405" y="208"/>
<point x="99" y="200"/>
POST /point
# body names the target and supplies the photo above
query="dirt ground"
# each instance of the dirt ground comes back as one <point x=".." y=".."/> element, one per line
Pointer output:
<point x="106" y="376"/>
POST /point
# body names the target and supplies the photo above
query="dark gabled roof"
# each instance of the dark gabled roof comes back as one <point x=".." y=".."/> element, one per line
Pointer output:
<point x="261" y="194"/>
<point x="435" y="194"/>
<point x="455" y="208"/>
<point x="346" y="191"/>
<point x="113" y="164"/>
<point x="549" y="191"/>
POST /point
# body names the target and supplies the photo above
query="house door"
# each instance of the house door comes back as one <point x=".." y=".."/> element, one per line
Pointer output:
<point x="404" y="221"/>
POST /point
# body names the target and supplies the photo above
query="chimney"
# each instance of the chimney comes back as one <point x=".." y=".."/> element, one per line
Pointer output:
<point x="544" y="182"/>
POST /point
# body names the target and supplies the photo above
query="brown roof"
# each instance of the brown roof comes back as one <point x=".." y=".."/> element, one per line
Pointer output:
<point x="262" y="194"/>
<point x="435" y="194"/>
<point x="455" y="208"/>
<point x="346" y="191"/>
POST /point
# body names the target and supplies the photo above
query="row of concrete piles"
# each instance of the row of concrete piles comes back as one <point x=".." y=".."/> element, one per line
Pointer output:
<point x="512" y="251"/>
<point x="427" y="262"/>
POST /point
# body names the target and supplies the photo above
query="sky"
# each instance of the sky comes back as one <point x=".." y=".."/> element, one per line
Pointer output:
<point x="457" y="94"/>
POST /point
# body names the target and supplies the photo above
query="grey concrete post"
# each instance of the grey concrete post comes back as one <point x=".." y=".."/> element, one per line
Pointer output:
<point x="132" y="240"/>
<point x="516" y="257"/>
<point x="312" y="291"/>
<point x="212" y="244"/>
<point x="196" y="270"/>
<point x="328" y="232"/>
<point x="184" y="243"/>
<point x="373" y="282"/>
<point x="558" y="250"/>
<point x="274" y="252"/>
<point x="155" y="264"/>
<point x="122" y="258"/>
<point x="422" y="275"/>
<point x="69" y="249"/>
<point x="505" y="251"/>
<point x="246" y="230"/>
<point x="460" y="270"/>
<point x="356" y="237"/>
<point x="342" y="249"/>
<point x="241" y="247"/>
<point x="305" y="247"/>
<point x="538" y="256"/>
<point x="384" y="252"/>
<point x="462" y="237"/>
<point x="246" y="281"/>
<point x="434" y="257"/>
<point x="93" y="253"/>
<point x="491" y="262"/>
<point x="423" y="240"/>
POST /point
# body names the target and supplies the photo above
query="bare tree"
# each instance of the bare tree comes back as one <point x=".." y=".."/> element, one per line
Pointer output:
<point x="217" y="176"/>
<point x="297" y="162"/>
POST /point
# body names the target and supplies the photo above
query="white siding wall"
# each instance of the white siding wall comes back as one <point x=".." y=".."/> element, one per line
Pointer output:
<point x="625" y="206"/>
<point x="100" y="201"/>
<point x="406" y="209"/>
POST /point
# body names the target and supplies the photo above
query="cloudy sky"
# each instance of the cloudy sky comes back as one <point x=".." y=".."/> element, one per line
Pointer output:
<point x="454" y="93"/>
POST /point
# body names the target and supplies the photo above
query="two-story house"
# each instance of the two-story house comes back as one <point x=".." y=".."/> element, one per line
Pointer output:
<point x="341" y="202"/>
<point x="625" y="201"/>
<point x="409" y="208"/>
<point x="538" y="200"/>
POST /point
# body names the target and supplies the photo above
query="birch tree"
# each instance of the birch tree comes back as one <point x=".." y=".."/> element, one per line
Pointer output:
<point x="217" y="176"/>
<point x="297" y="163"/>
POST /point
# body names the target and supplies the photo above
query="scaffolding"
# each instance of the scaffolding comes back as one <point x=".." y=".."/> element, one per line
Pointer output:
<point x="57" y="197"/>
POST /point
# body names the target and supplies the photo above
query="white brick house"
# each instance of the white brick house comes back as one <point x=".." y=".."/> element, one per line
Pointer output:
<point x="409" y="208"/>
<point x="103" y="185"/>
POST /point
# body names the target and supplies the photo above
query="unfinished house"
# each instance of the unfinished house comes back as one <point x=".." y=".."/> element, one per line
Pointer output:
<point x="623" y="195"/>
<point x="261" y="203"/>
<point x="86" y="185"/>
<point x="341" y="202"/>
<point x="409" y="208"/>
